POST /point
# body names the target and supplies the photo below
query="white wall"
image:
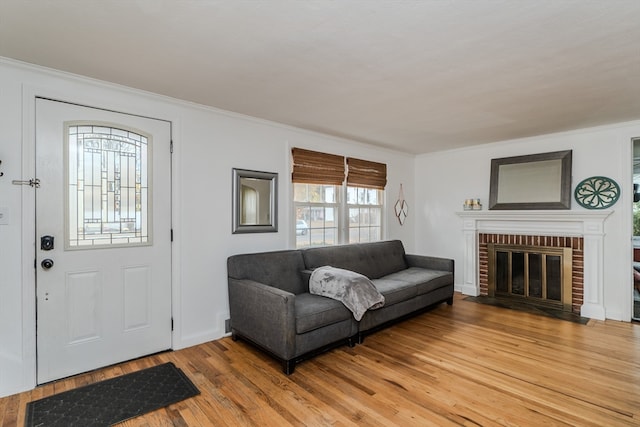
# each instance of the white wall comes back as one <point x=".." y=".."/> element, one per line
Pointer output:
<point x="448" y="178"/>
<point x="208" y="143"/>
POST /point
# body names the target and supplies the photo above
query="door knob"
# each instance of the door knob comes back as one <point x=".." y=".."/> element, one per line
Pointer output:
<point x="47" y="263"/>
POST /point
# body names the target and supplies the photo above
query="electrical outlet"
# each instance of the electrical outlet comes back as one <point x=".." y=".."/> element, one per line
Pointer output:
<point x="227" y="326"/>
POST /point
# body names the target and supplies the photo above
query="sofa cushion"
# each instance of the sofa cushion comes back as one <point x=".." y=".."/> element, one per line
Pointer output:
<point x="314" y="311"/>
<point x="373" y="260"/>
<point x="395" y="291"/>
<point x="425" y="280"/>
<point x="280" y="269"/>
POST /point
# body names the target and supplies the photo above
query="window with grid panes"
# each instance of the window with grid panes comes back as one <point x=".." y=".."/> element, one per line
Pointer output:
<point x="365" y="214"/>
<point x="317" y="214"/>
<point x="339" y="208"/>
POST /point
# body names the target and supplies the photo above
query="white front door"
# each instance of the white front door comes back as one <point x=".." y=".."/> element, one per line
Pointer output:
<point x="103" y="275"/>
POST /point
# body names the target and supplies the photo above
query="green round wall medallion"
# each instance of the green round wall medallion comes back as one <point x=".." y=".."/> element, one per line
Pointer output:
<point x="597" y="192"/>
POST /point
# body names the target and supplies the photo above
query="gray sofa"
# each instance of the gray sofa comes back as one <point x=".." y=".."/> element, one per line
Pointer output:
<point x="271" y="307"/>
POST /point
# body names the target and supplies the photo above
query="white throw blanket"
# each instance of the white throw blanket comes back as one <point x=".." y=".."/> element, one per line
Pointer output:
<point x="354" y="290"/>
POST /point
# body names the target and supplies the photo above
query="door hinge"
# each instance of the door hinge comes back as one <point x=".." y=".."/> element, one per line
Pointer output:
<point x="171" y="147"/>
<point x="172" y="234"/>
<point x="172" y="324"/>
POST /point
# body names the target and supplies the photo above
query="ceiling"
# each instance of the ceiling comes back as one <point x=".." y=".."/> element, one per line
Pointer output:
<point x="417" y="76"/>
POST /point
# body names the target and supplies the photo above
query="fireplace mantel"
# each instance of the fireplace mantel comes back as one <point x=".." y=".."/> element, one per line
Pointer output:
<point x="586" y="224"/>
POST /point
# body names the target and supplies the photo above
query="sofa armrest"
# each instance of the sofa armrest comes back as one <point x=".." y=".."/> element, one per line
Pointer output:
<point x="263" y="314"/>
<point x="429" y="262"/>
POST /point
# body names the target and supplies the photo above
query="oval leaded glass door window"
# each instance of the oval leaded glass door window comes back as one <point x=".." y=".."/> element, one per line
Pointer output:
<point x="108" y="186"/>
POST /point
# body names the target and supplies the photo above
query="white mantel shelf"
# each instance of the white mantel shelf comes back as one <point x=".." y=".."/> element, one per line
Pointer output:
<point x="548" y="223"/>
<point x="559" y="215"/>
<point x="586" y="224"/>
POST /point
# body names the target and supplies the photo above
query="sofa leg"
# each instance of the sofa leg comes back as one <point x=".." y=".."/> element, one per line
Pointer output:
<point x="234" y="336"/>
<point x="352" y="341"/>
<point x="288" y="366"/>
<point x="450" y="301"/>
<point x="360" y="338"/>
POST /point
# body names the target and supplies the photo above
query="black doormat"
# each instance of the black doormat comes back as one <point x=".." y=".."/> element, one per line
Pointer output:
<point x="529" y="308"/>
<point x="114" y="400"/>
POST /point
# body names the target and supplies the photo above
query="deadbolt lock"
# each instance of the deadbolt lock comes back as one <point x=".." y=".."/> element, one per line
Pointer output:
<point x="46" y="243"/>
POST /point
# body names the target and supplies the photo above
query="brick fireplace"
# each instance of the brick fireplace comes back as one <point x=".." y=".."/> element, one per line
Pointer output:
<point x="576" y="245"/>
<point x="582" y="231"/>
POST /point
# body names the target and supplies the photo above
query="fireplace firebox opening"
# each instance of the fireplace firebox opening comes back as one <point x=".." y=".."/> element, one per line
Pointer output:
<point x="537" y="274"/>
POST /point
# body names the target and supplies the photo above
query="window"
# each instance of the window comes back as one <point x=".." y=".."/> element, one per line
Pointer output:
<point x="317" y="214"/>
<point x="330" y="209"/>
<point x="365" y="214"/>
<point x="107" y="186"/>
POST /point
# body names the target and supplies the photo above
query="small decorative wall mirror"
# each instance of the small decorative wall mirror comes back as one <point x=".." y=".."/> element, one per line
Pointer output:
<point x="255" y="201"/>
<point x="536" y="181"/>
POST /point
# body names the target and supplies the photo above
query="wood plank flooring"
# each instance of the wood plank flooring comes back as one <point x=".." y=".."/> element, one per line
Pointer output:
<point x="462" y="365"/>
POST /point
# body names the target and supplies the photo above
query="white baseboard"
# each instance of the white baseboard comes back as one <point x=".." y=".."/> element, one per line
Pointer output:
<point x="466" y="290"/>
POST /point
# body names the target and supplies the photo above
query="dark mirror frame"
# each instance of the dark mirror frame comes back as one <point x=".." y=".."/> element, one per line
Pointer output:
<point x="529" y="184"/>
<point x="271" y="224"/>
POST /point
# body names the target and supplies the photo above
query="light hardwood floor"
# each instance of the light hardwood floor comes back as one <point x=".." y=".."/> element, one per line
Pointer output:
<point x="466" y="364"/>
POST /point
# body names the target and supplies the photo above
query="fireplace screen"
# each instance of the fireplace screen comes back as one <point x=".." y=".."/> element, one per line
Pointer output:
<point x="537" y="273"/>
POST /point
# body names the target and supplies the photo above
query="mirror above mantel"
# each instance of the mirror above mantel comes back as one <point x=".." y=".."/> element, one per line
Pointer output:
<point x="535" y="181"/>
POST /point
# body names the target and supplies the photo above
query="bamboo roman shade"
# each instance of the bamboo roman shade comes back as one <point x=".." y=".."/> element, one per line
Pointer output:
<point x="363" y="173"/>
<point x="312" y="167"/>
